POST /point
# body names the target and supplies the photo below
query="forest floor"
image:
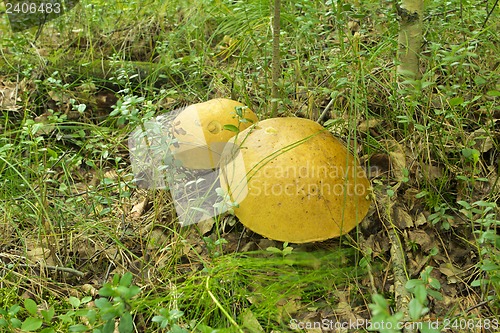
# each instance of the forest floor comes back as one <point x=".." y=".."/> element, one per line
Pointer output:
<point x="84" y="248"/>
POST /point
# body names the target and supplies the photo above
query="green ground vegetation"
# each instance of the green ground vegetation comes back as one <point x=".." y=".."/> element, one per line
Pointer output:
<point x="83" y="249"/>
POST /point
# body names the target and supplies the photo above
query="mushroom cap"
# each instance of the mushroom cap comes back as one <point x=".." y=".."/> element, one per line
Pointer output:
<point x="293" y="181"/>
<point x="199" y="130"/>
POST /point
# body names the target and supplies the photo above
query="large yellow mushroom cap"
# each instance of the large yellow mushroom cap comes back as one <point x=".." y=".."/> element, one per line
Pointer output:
<point x="293" y="181"/>
<point x="200" y="134"/>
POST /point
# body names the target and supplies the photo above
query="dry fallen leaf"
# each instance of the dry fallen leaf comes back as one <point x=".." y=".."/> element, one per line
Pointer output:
<point x="9" y="95"/>
<point x="451" y="272"/>
<point x="250" y="322"/>
<point x="287" y="307"/>
<point x="206" y="225"/>
<point x="420" y="220"/>
<point x="46" y="127"/>
<point x="483" y="140"/>
<point x="431" y="172"/>
<point x="401" y="217"/>
<point x="367" y="124"/>
<point x="421" y="238"/>
<point x="398" y="164"/>
<point x="353" y="26"/>
<point x="138" y="208"/>
<point x="37" y="254"/>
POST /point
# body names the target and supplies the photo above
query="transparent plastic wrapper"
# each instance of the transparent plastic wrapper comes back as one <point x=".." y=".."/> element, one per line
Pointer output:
<point x="196" y="193"/>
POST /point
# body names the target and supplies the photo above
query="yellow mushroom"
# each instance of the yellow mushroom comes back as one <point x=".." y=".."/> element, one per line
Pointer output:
<point x="200" y="133"/>
<point x="293" y="181"/>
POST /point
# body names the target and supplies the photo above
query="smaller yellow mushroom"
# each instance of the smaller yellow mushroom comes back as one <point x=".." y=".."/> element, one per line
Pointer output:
<point x="294" y="181"/>
<point x="201" y="134"/>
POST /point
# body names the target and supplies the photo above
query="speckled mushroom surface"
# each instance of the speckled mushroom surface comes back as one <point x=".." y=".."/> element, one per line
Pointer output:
<point x="294" y="181"/>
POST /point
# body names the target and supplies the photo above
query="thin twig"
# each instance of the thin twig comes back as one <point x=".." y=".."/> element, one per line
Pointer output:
<point x="325" y="111"/>
<point x="401" y="295"/>
<point x="478" y="305"/>
<point x="53" y="268"/>
<point x="489" y="14"/>
<point x="276" y="69"/>
<point x="398" y="263"/>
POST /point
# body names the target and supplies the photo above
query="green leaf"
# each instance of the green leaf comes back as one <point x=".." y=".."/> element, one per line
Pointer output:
<point x="435" y="294"/>
<point x="126" y="279"/>
<point x="246" y="120"/>
<point x="434" y="283"/>
<point x="434" y="251"/>
<point x="456" y="101"/>
<point x="107" y="291"/>
<point x="379" y="300"/>
<point x="364" y="262"/>
<point x="160" y="320"/>
<point x="287" y="250"/>
<point x="205" y="329"/>
<point x="421" y="194"/>
<point x="273" y="249"/>
<point x="426" y="84"/>
<point x="128" y="292"/>
<point x="411" y="284"/>
<point x="116" y="279"/>
<point x="126" y="323"/>
<point x="231" y="128"/>
<point x="494" y="93"/>
<point x="52" y="153"/>
<point x="16" y="323"/>
<point x="477" y="283"/>
<point x="104" y="211"/>
<point x="471" y="154"/>
<point x="48" y="314"/>
<point x="239" y="111"/>
<point x="81" y="108"/>
<point x="102" y="303"/>
<point x="67" y="317"/>
<point x="31" y="324"/>
<point x="48" y="330"/>
<point x="177" y="329"/>
<point x="490" y="266"/>
<point x="420" y="293"/>
<point x="75" y="302"/>
<point x="31" y="307"/>
<point x="83" y="312"/>
<point x="415" y="309"/>
<point x="123" y="291"/>
<point x="109" y="327"/>
<point x="175" y="314"/>
<point x="133" y="290"/>
<point x="91" y="316"/>
<point x="86" y="299"/>
<point x="14" y="309"/>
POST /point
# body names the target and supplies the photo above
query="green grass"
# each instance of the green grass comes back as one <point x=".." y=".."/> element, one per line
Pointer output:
<point x="66" y="192"/>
